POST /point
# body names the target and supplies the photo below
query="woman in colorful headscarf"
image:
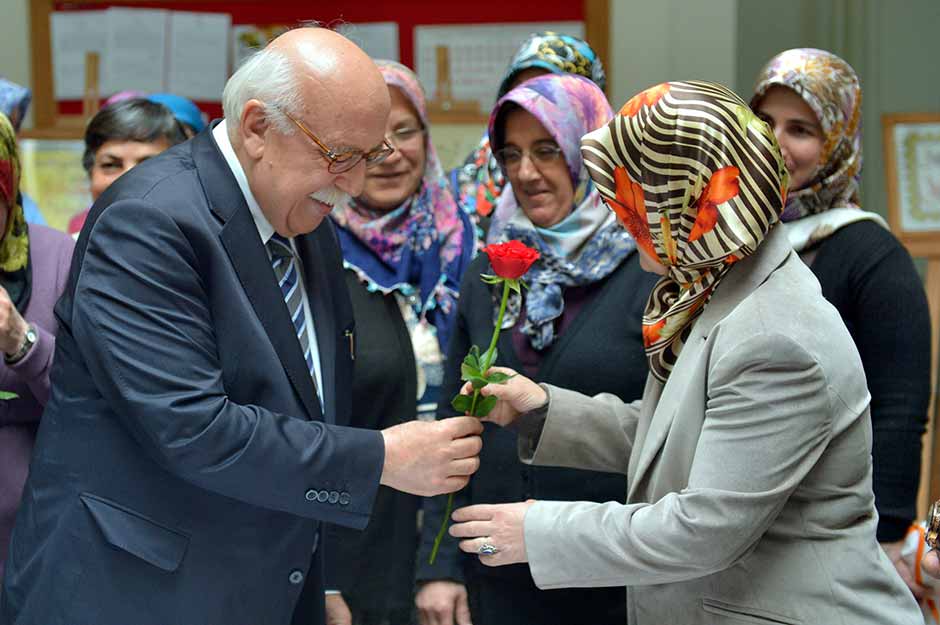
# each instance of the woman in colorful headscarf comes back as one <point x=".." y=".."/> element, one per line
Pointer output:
<point x="34" y="265"/>
<point x="405" y="247"/>
<point x="812" y="101"/>
<point x="585" y="282"/>
<point x="748" y="459"/>
<point x="479" y="181"/>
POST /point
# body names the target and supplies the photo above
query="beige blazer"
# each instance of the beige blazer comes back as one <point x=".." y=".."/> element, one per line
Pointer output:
<point x="749" y="472"/>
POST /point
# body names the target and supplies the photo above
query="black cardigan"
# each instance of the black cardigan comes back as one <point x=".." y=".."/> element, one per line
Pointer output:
<point x="870" y="279"/>
<point x="374" y="568"/>
<point x="601" y="351"/>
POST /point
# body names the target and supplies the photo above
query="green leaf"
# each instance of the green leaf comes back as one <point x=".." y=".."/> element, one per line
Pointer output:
<point x="485" y="406"/>
<point x="469" y="372"/>
<point x="491" y="279"/>
<point x="7" y="395"/>
<point x="462" y="403"/>
<point x="475" y="354"/>
<point x="514" y="285"/>
<point x="498" y="377"/>
<point x="478" y="382"/>
<point x="524" y="285"/>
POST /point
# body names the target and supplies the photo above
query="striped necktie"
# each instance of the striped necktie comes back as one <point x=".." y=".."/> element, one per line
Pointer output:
<point x="288" y="278"/>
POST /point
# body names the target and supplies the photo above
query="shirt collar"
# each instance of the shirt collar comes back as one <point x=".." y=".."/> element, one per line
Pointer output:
<point x="220" y="134"/>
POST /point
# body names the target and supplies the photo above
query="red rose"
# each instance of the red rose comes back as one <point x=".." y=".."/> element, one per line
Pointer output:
<point x="512" y="259"/>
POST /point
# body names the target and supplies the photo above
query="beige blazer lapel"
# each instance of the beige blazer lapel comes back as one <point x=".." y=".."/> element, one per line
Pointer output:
<point x="741" y="280"/>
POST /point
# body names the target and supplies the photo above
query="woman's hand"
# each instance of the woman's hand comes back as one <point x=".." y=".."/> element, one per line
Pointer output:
<point x="443" y="602"/>
<point x="893" y="550"/>
<point x="930" y="564"/>
<point x="12" y="325"/>
<point x="496" y="533"/>
<point x="517" y="395"/>
<point x="337" y="612"/>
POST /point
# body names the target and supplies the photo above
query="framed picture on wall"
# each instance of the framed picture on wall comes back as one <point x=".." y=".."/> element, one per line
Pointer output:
<point x="912" y="166"/>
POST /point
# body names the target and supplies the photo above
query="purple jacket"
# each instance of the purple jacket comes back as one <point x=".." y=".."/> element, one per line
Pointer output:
<point x="51" y="254"/>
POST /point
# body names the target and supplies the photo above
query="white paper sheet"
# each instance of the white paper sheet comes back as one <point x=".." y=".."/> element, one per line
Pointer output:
<point x="73" y="34"/>
<point x="198" y="54"/>
<point x="378" y="39"/>
<point x="135" y="54"/>
<point x="479" y="55"/>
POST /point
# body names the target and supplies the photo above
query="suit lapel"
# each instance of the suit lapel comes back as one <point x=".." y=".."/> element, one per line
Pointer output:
<point x="240" y="239"/>
<point x="320" y="296"/>
<point x="740" y="282"/>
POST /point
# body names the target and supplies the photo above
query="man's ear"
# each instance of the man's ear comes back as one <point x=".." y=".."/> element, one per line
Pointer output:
<point x="253" y="127"/>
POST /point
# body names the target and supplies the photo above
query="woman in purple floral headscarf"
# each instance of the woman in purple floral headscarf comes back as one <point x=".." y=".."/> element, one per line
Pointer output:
<point x="479" y="181"/>
<point x="812" y="100"/>
<point x="583" y="305"/>
<point x="405" y="247"/>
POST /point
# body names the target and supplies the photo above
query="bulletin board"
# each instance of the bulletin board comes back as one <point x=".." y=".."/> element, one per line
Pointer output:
<point x="62" y="119"/>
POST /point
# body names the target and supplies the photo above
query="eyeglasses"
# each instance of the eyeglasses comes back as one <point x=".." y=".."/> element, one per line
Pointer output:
<point x="346" y="159"/>
<point x="510" y="158"/>
<point x="406" y="137"/>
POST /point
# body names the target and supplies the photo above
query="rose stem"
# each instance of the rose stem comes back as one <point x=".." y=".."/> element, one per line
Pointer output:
<point x="476" y="395"/>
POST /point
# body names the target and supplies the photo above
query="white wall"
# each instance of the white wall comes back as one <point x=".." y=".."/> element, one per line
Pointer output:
<point x="653" y="42"/>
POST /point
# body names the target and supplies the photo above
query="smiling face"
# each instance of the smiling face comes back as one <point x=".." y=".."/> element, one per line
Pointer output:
<point x="543" y="188"/>
<point x="114" y="158"/>
<point x="344" y="103"/>
<point x="388" y="185"/>
<point x="797" y="130"/>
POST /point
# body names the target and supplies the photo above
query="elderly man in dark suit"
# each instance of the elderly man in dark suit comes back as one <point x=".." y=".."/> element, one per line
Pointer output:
<point x="191" y="447"/>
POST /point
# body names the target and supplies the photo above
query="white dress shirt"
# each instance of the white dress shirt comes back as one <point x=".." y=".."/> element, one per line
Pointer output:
<point x="265" y="231"/>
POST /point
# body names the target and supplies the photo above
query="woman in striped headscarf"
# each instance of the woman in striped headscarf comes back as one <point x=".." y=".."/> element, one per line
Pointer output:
<point x="748" y="458"/>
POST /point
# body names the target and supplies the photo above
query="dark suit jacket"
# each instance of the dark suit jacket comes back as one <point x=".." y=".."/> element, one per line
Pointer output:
<point x="182" y="465"/>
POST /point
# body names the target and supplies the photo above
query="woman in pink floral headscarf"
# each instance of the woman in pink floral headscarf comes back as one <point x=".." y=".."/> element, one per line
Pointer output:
<point x="405" y="248"/>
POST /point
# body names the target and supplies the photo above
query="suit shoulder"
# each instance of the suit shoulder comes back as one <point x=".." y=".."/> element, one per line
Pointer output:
<point x="169" y="175"/>
<point x="787" y="317"/>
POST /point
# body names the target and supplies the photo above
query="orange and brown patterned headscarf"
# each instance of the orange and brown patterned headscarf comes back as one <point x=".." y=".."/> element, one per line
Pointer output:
<point x="698" y="180"/>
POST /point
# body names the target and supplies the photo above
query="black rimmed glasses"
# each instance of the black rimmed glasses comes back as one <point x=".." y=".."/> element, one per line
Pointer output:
<point x="345" y="159"/>
<point x="544" y="153"/>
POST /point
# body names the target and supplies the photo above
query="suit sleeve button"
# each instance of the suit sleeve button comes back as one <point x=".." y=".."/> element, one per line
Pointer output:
<point x="323" y="496"/>
<point x="334" y="497"/>
<point x="310" y="495"/>
<point x="344" y="498"/>
<point x="296" y="576"/>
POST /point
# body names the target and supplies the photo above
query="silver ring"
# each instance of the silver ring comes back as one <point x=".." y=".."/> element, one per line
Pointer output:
<point x="486" y="549"/>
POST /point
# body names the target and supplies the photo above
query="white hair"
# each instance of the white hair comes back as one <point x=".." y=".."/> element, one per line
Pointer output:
<point x="270" y="77"/>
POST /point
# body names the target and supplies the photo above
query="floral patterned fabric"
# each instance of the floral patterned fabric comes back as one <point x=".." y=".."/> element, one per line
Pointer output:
<point x="419" y="249"/>
<point x="586" y="246"/>
<point x="698" y="180"/>
<point x="479" y="182"/>
<point x="831" y="89"/>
